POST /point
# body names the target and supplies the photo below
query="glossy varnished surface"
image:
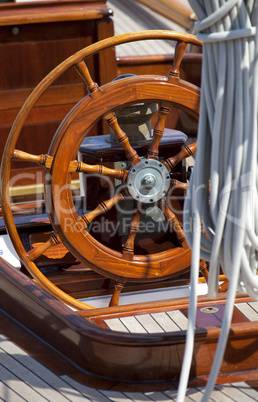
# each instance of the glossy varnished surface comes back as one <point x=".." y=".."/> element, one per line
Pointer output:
<point x="35" y="38"/>
<point x="13" y="290"/>
<point x="15" y="14"/>
<point x="25" y="375"/>
<point x="102" y="101"/>
<point x="129" y="357"/>
<point x="134" y="360"/>
<point x="175" y="320"/>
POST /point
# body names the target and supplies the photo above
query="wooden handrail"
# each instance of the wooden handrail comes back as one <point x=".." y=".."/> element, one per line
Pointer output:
<point x="51" y="11"/>
<point x="175" y="10"/>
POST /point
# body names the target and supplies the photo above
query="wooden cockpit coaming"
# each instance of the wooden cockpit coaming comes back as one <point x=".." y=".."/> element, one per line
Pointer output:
<point x="91" y="348"/>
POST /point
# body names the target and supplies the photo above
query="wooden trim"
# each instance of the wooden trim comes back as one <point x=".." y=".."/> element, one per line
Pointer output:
<point x="175" y="10"/>
<point x="35" y="347"/>
<point x="56" y="95"/>
<point x="155" y="59"/>
<point x="138" y="361"/>
<point x="52" y="11"/>
<point x="36" y="189"/>
<point x="157" y="306"/>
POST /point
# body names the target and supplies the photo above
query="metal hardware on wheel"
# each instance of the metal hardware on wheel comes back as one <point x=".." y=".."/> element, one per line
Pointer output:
<point x="148" y="181"/>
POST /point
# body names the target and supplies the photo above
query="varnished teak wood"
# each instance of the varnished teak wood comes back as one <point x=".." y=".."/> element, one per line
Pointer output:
<point x="69" y="333"/>
<point x="101" y="102"/>
<point x="110" y="359"/>
<point x="35" y="38"/>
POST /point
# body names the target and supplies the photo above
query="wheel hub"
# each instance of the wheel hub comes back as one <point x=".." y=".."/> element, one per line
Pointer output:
<point x="148" y="181"/>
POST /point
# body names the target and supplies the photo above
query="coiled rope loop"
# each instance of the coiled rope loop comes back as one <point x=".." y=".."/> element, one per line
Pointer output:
<point x="221" y="205"/>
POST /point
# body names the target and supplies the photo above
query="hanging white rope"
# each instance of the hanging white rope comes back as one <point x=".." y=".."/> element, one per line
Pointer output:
<point x="222" y="200"/>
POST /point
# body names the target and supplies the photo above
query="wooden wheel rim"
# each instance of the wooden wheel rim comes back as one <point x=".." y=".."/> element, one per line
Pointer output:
<point x="85" y="247"/>
<point x="18" y="125"/>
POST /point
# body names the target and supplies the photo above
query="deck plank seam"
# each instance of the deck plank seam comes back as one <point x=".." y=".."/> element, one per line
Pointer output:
<point x="8" y="376"/>
<point x="253" y="306"/>
<point x="154" y="318"/>
<point x="9" y="389"/>
<point x="55" y="385"/>
<point x="232" y="392"/>
<point x="246" y="389"/>
<point x="148" y="325"/>
<point x="174" y="322"/>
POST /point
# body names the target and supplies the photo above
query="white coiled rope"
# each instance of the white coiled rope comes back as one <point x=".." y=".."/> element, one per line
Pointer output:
<point x="221" y="205"/>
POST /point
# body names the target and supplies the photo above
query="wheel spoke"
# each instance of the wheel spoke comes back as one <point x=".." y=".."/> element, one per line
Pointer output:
<point x="153" y="151"/>
<point x="128" y="247"/>
<point x="102" y="208"/>
<point x="188" y="150"/>
<point x="204" y="270"/>
<point x="54" y="240"/>
<point x="75" y="166"/>
<point x="118" y="286"/>
<point x="120" y="174"/>
<point x="180" y="49"/>
<point x="175" y="225"/>
<point x="101" y="103"/>
<point x="92" y="86"/>
<point x="122" y="138"/>
<point x="223" y="287"/>
<point x="44" y="160"/>
<point x="110" y="118"/>
<point x="179" y="185"/>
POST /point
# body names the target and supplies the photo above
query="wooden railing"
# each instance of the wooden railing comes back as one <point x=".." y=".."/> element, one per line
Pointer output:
<point x="177" y="11"/>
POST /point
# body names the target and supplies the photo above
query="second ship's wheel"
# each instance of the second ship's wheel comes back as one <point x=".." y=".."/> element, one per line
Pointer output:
<point x="146" y="181"/>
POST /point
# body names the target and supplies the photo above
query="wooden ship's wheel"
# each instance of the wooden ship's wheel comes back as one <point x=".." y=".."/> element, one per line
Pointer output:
<point x="146" y="181"/>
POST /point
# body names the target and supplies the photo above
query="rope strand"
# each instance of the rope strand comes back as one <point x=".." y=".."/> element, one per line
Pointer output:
<point x="226" y="163"/>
